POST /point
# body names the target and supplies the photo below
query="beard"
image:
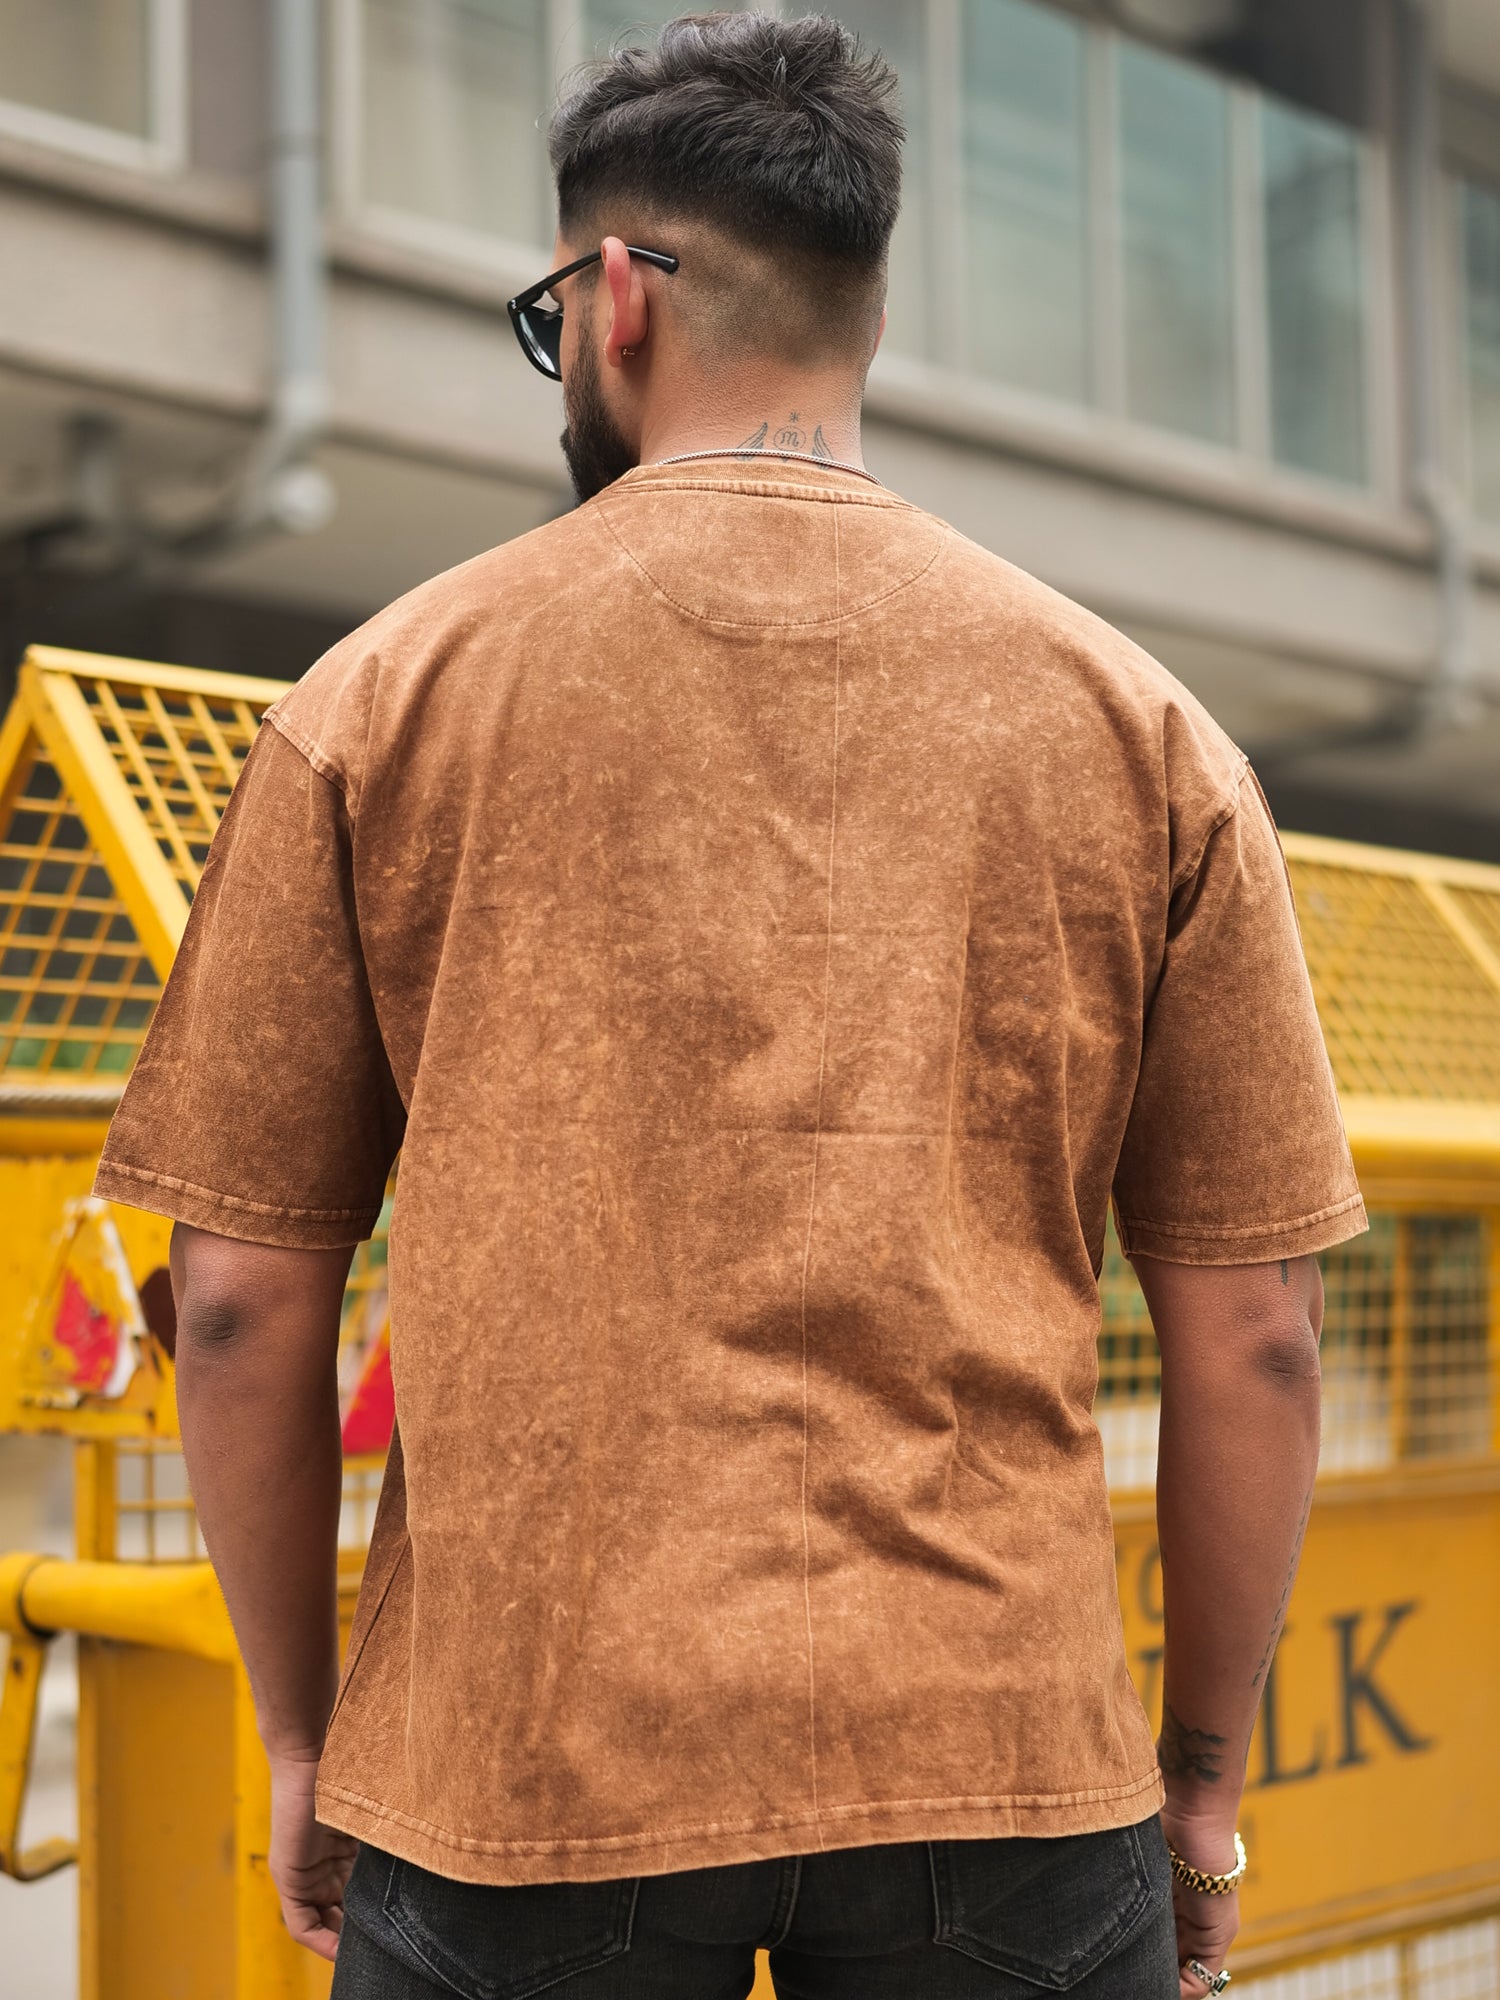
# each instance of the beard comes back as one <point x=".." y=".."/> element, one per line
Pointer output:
<point x="593" y="444"/>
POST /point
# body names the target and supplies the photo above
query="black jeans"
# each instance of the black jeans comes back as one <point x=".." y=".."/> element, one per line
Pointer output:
<point x="1089" y="1914"/>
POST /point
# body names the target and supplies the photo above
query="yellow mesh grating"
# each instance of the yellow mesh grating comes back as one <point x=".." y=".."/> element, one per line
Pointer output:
<point x="1458" y="1963"/>
<point x="179" y="753"/>
<point x="156" y="1521"/>
<point x="1453" y="1962"/>
<point x="1405" y="1350"/>
<point x="1482" y="908"/>
<point x="1129" y="1396"/>
<point x="1406" y="1010"/>
<point x="155" y="1517"/>
<point x="76" y="988"/>
<point x="366" y="1303"/>
<point x="1406" y="1362"/>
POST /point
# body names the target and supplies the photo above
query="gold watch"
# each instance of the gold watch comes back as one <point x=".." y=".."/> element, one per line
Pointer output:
<point x="1201" y="1880"/>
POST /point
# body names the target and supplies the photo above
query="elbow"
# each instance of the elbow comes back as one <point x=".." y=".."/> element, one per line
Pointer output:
<point x="210" y="1322"/>
<point x="1286" y="1354"/>
<point x="218" y="1286"/>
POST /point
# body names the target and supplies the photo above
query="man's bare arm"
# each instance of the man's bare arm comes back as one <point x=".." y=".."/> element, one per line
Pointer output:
<point x="257" y="1397"/>
<point x="1241" y="1396"/>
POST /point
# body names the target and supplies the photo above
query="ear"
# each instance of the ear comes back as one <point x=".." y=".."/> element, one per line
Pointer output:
<point x="629" y="317"/>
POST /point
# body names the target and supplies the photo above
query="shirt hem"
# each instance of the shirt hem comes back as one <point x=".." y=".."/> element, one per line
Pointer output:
<point x="607" y="1857"/>
<point x="230" y="1215"/>
<point x="1255" y="1243"/>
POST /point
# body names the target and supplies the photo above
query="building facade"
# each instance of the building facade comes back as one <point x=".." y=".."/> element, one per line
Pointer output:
<point x="1194" y="312"/>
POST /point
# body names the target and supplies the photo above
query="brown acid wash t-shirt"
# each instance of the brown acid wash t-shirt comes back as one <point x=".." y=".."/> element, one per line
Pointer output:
<point x="772" y="927"/>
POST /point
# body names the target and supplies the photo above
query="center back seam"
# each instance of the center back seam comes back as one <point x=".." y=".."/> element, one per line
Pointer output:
<point x="812" y="1198"/>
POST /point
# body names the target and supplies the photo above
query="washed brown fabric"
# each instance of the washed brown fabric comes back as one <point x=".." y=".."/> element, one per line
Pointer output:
<point x="779" y="926"/>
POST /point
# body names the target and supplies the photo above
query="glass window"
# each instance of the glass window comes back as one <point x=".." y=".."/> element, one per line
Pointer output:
<point x="1314" y="292"/>
<point x="1025" y="197"/>
<point x="1480" y="219"/>
<point x="450" y="96"/>
<point x="1178" y="264"/>
<point x="898" y="28"/>
<point x="88" y="60"/>
<point x="607" y="21"/>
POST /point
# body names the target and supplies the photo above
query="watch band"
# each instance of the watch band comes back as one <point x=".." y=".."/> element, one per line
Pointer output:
<point x="1201" y="1880"/>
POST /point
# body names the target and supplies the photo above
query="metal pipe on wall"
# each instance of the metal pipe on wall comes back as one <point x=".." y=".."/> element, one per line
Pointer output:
<point x="280" y="488"/>
<point x="283" y="489"/>
<point x="1449" y="699"/>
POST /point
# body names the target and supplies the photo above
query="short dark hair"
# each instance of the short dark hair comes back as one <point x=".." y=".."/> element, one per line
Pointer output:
<point x="782" y="135"/>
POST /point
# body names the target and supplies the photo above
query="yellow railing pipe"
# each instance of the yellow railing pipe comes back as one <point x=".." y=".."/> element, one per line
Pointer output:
<point x="176" y="1606"/>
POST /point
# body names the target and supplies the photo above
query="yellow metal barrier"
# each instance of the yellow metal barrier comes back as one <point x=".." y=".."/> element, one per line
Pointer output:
<point x="1372" y="1811"/>
<point x="113" y="775"/>
<point x="178" y="1609"/>
<point x="1372" y="1805"/>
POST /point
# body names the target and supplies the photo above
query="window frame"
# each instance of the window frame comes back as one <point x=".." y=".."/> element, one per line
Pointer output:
<point x="1456" y="359"/>
<point x="1456" y="362"/>
<point x="1381" y="397"/>
<point x="944" y="375"/>
<point x="1105" y="416"/>
<point x="510" y="256"/>
<point x="164" y="149"/>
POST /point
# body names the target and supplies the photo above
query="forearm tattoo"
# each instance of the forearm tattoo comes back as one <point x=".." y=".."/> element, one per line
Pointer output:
<point x="1277" y="1622"/>
<point x="1189" y="1753"/>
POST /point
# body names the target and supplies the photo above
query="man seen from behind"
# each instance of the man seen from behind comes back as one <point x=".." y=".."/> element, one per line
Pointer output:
<point x="773" y="930"/>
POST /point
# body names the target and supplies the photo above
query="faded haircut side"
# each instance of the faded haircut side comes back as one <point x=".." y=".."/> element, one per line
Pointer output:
<point x="774" y="146"/>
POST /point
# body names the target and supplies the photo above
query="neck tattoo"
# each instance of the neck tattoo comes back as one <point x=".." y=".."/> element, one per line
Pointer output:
<point x="789" y="440"/>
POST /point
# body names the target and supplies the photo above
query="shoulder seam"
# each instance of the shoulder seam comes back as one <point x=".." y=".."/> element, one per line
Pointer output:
<point x="326" y="769"/>
<point x="1221" y="818"/>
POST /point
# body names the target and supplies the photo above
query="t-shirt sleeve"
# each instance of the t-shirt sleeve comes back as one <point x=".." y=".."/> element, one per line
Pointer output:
<point x="1235" y="1150"/>
<point x="262" y="1105"/>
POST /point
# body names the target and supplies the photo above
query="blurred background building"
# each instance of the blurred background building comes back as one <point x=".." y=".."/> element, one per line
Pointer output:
<point x="1195" y="312"/>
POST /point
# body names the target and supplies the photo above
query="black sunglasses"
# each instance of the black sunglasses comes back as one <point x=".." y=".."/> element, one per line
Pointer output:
<point x="539" y="328"/>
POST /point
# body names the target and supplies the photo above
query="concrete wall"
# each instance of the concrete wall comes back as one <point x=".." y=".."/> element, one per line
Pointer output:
<point x="142" y="297"/>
